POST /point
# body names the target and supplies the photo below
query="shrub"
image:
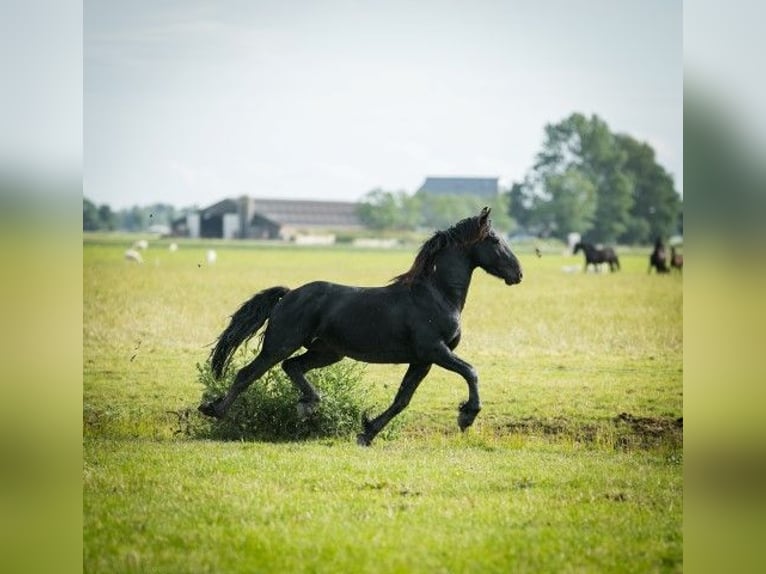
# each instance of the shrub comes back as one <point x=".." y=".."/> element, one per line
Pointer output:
<point x="267" y="409"/>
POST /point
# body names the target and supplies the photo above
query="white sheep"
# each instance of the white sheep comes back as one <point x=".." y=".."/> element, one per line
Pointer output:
<point x="134" y="256"/>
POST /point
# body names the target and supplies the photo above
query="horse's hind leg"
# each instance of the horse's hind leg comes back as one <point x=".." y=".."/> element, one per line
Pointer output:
<point x="412" y="378"/>
<point x="316" y="357"/>
<point x="285" y="334"/>
<point x="244" y="378"/>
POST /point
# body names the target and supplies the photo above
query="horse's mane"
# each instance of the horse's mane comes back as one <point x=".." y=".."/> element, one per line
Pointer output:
<point x="464" y="232"/>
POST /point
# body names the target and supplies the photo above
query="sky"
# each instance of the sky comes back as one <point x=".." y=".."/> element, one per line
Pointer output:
<point x="190" y="102"/>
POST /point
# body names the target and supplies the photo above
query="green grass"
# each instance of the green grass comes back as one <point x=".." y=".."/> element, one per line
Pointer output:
<point x="548" y="479"/>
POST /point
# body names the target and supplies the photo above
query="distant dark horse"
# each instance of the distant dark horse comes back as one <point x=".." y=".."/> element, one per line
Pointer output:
<point x="595" y="256"/>
<point x="415" y="320"/>
<point x="659" y="258"/>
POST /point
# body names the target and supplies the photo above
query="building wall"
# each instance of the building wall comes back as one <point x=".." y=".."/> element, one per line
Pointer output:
<point x="262" y="228"/>
<point x="231" y="226"/>
<point x="192" y="224"/>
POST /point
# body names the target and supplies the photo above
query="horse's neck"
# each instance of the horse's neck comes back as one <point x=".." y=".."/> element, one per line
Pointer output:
<point x="452" y="275"/>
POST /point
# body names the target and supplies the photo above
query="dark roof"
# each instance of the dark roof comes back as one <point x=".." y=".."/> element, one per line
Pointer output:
<point x="224" y="206"/>
<point x="291" y="212"/>
<point x="307" y="213"/>
<point x="480" y="186"/>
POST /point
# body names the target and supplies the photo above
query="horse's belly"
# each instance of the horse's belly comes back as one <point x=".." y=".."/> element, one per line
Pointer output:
<point x="370" y="346"/>
<point x="369" y="340"/>
<point x="382" y="357"/>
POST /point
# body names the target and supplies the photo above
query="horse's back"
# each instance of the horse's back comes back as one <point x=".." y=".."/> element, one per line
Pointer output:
<point x="327" y="296"/>
<point x="306" y="302"/>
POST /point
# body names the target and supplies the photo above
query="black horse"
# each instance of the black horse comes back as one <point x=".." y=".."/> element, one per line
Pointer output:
<point x="414" y="320"/>
<point x="594" y="256"/>
<point x="659" y="258"/>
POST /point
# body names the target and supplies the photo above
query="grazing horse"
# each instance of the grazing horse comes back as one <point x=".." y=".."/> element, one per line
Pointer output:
<point x="415" y="320"/>
<point x="676" y="259"/>
<point x="594" y="256"/>
<point x="659" y="258"/>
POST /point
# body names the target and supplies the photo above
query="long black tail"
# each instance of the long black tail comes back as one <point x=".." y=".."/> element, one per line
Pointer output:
<point x="245" y="323"/>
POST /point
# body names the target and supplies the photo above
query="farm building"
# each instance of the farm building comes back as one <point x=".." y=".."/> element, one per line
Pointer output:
<point x="252" y="218"/>
<point x="478" y="186"/>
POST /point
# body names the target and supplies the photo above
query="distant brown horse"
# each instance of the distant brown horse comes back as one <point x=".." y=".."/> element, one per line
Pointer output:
<point x="676" y="259"/>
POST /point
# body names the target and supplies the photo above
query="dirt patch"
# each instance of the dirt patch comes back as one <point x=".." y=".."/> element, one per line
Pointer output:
<point x="558" y="426"/>
<point x="624" y="431"/>
<point x="650" y="426"/>
<point x="648" y="431"/>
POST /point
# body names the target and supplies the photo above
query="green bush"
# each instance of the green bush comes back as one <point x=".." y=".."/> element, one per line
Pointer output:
<point x="267" y="409"/>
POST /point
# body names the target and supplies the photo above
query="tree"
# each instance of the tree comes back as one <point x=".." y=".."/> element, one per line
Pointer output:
<point x="605" y="186"/>
<point x="107" y="218"/>
<point x="96" y="218"/>
<point x="136" y="218"/>
<point x="573" y="201"/>
<point x="520" y="205"/>
<point x="656" y="205"/>
<point x="612" y="208"/>
<point x="442" y="211"/>
<point x="90" y="218"/>
<point x="381" y="209"/>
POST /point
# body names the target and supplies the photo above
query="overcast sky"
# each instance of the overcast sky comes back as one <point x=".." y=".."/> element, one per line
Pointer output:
<point x="191" y="102"/>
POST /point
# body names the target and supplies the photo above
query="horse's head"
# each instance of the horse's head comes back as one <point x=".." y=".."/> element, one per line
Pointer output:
<point x="577" y="248"/>
<point x="492" y="253"/>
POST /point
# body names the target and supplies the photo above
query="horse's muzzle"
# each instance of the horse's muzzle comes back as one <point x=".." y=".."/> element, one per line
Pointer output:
<point x="515" y="280"/>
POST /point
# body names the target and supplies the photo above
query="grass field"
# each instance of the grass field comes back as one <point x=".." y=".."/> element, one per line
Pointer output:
<point x="549" y="479"/>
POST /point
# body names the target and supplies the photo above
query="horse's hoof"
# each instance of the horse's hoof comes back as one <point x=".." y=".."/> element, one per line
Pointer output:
<point x="466" y="417"/>
<point x="363" y="440"/>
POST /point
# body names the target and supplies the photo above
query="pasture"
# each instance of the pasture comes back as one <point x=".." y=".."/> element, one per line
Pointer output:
<point x="573" y="465"/>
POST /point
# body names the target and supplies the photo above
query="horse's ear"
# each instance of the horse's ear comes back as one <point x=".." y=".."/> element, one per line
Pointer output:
<point x="484" y="216"/>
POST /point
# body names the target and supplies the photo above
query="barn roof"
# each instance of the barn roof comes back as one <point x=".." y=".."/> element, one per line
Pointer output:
<point x="307" y="213"/>
<point x="224" y="206"/>
<point x="479" y="186"/>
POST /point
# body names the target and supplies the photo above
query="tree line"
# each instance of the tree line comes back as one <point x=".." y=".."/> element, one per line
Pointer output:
<point x="586" y="179"/>
<point x="103" y="218"/>
<point x="400" y="211"/>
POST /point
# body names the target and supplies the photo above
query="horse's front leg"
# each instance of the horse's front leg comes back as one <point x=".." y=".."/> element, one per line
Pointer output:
<point x="412" y="378"/>
<point x="469" y="409"/>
